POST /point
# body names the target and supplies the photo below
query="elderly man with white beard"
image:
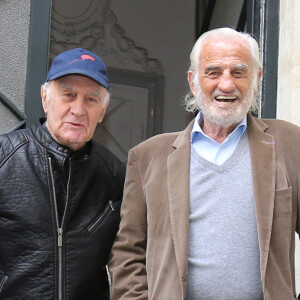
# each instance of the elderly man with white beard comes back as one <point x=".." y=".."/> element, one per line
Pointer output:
<point x="210" y="212"/>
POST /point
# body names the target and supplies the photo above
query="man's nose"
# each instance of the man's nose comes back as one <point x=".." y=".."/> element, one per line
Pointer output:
<point x="77" y="107"/>
<point x="226" y="83"/>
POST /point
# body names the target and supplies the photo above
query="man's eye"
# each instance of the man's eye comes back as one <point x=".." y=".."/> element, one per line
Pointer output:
<point x="213" y="74"/>
<point x="68" y="94"/>
<point x="239" y="73"/>
<point x="92" y="99"/>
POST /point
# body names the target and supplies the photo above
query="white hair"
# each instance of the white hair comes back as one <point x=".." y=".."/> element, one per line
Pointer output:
<point x="191" y="103"/>
<point x="107" y="97"/>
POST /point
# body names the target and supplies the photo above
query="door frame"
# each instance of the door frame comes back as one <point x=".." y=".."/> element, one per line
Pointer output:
<point x="38" y="57"/>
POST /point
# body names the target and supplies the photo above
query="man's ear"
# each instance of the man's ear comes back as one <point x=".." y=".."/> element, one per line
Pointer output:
<point x="44" y="99"/>
<point x="260" y="72"/>
<point x="103" y="112"/>
<point x="190" y="78"/>
<point x="259" y="75"/>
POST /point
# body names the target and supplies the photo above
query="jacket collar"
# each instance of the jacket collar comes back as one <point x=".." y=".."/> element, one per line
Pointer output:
<point x="178" y="165"/>
<point x="263" y="162"/>
<point x="44" y="137"/>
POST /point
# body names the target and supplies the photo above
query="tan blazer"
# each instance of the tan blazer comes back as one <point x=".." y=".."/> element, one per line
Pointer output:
<point x="150" y="257"/>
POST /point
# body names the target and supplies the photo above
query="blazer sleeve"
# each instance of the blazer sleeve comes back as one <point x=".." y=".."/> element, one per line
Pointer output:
<point x="127" y="264"/>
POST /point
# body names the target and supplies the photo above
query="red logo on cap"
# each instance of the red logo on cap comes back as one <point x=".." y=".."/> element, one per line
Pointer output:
<point x="83" y="57"/>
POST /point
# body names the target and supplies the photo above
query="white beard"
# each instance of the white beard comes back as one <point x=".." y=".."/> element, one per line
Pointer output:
<point x="223" y="117"/>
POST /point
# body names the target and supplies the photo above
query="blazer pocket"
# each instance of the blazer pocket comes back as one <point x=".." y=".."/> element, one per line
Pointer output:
<point x="3" y="279"/>
<point x="111" y="207"/>
<point x="283" y="202"/>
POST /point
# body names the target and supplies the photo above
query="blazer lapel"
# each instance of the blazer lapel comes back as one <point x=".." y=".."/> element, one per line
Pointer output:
<point x="263" y="160"/>
<point x="178" y="194"/>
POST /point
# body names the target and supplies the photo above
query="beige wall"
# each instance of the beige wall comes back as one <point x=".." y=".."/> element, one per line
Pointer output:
<point x="288" y="101"/>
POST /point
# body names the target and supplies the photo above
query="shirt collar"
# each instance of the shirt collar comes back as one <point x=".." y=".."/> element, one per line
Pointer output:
<point x="241" y="127"/>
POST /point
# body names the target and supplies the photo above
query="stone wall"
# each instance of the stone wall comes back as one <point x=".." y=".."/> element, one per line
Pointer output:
<point x="14" y="31"/>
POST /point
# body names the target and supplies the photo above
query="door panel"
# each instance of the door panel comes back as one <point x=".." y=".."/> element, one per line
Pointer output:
<point x="134" y="113"/>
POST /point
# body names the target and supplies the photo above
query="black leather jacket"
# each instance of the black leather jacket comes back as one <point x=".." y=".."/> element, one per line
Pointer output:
<point x="59" y="214"/>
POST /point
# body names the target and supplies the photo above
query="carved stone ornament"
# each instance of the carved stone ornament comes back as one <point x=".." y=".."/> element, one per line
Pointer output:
<point x="91" y="24"/>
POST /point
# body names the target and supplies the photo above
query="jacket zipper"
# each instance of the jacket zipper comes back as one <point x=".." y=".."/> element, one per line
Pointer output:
<point x="60" y="227"/>
<point x="108" y="208"/>
<point x="2" y="282"/>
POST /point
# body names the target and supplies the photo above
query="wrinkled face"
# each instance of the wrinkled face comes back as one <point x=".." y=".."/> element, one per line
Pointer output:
<point x="225" y="84"/>
<point x="75" y="105"/>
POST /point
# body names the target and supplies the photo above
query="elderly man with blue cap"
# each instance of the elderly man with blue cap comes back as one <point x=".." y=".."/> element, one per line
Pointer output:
<point x="60" y="191"/>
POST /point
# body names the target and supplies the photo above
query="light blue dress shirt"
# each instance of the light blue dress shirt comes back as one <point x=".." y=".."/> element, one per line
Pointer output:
<point x="211" y="150"/>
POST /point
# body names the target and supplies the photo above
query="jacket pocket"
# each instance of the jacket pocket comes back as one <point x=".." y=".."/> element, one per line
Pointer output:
<point x="3" y="279"/>
<point x="283" y="202"/>
<point x="110" y="207"/>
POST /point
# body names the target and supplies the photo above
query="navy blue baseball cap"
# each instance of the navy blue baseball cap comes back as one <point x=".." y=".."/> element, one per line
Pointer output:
<point x="79" y="61"/>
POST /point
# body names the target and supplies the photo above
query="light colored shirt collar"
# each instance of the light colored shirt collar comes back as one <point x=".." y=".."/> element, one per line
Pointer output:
<point x="240" y="128"/>
<point x="212" y="150"/>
